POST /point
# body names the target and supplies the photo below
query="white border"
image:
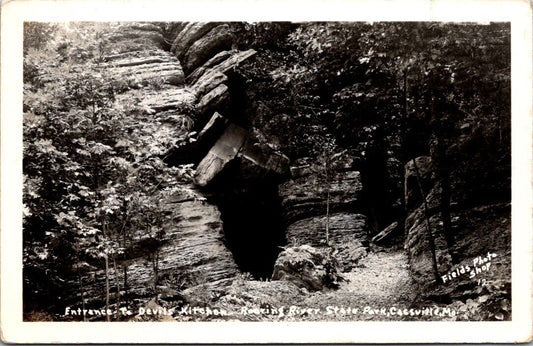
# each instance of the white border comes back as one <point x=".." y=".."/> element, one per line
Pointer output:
<point x="14" y="13"/>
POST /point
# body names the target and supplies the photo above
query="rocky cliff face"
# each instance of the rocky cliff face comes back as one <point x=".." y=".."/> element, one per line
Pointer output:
<point x="192" y="252"/>
<point x="476" y="230"/>
<point x="305" y="204"/>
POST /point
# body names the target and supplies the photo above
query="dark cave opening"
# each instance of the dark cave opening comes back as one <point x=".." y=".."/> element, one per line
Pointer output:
<point x="382" y="190"/>
<point x="251" y="212"/>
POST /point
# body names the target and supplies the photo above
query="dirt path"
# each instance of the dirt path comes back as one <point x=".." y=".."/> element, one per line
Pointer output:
<point x="380" y="281"/>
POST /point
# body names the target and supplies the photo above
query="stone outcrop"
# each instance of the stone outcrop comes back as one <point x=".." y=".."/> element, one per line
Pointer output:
<point x="419" y="234"/>
<point x="190" y="33"/>
<point x="191" y="253"/>
<point x="307" y="267"/>
<point x="133" y="37"/>
<point x="306" y="196"/>
<point x="217" y="39"/>
<point x="304" y="200"/>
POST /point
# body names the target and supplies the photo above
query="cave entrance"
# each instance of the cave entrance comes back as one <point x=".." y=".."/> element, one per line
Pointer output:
<point x="251" y="211"/>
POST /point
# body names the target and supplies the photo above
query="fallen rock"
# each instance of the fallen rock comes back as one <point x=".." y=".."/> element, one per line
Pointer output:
<point x="385" y="236"/>
<point x="307" y="267"/>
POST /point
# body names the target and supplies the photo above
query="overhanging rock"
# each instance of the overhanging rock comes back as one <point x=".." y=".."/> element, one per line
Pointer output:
<point x="236" y="143"/>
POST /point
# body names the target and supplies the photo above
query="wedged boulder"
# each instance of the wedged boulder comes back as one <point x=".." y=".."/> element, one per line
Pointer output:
<point x="223" y="62"/>
<point x="412" y="189"/>
<point x="307" y="267"/>
<point x="252" y="160"/>
<point x="224" y="151"/>
<point x="215" y="100"/>
<point x="190" y="33"/>
<point x="306" y="196"/>
<point x="216" y="40"/>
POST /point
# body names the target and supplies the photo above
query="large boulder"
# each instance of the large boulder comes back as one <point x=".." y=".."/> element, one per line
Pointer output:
<point x="188" y="35"/>
<point x="224" y="62"/>
<point x="217" y="39"/>
<point x="307" y="267"/>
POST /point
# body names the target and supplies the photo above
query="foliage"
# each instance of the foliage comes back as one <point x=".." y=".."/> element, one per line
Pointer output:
<point x="389" y="91"/>
<point x="93" y="173"/>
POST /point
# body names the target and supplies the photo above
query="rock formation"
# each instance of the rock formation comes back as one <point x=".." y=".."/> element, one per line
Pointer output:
<point x="304" y="203"/>
<point x="307" y="267"/>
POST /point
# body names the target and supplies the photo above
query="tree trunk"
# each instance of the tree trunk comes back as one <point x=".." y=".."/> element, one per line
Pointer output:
<point x="445" y="196"/>
<point x="430" y="237"/>
<point x="327" y="204"/>
<point x="108" y="318"/>
<point x="125" y="268"/>
<point x="155" y="264"/>
<point x="116" y="282"/>
<point x="82" y="291"/>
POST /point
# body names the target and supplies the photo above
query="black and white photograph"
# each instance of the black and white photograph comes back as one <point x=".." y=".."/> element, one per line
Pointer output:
<point x="266" y="171"/>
